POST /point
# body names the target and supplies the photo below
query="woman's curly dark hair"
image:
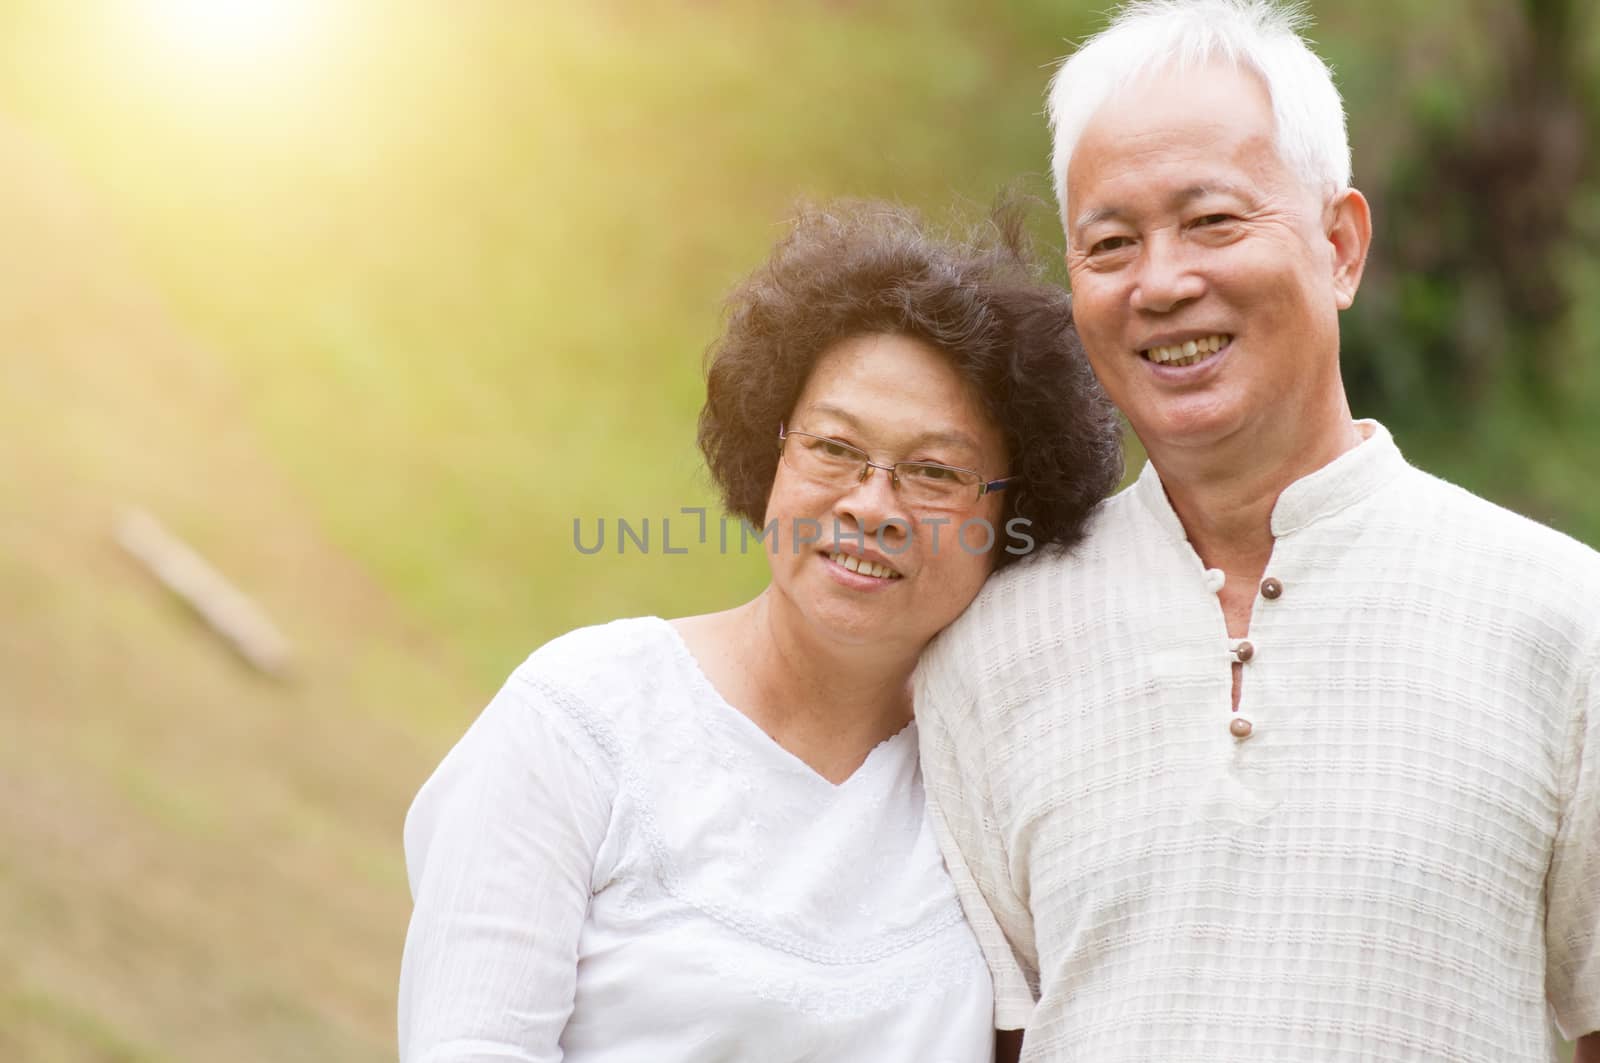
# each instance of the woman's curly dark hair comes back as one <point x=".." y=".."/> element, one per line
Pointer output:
<point x="858" y="268"/>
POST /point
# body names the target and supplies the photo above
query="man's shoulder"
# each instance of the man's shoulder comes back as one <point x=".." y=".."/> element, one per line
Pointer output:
<point x="1051" y="574"/>
<point x="1526" y="569"/>
<point x="1115" y="520"/>
<point x="1471" y="522"/>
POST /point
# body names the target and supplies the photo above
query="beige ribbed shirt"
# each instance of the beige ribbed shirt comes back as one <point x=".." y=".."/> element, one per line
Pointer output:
<point x="1400" y="862"/>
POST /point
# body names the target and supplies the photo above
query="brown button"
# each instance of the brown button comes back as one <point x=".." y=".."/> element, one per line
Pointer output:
<point x="1271" y="589"/>
<point x="1240" y="727"/>
<point x="1244" y="651"/>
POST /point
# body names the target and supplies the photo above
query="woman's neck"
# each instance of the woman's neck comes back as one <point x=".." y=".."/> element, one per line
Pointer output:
<point x="829" y="703"/>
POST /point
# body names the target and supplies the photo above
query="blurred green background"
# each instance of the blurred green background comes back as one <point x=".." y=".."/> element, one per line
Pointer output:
<point x="369" y="302"/>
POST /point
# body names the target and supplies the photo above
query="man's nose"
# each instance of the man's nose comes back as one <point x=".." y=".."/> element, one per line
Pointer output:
<point x="1168" y="275"/>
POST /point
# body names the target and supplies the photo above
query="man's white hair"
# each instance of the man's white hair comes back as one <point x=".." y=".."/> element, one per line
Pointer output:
<point x="1152" y="36"/>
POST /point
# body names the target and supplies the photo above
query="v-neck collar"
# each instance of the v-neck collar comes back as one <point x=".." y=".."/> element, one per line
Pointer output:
<point x="758" y="738"/>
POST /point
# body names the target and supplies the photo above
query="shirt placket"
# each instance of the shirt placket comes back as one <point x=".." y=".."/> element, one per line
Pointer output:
<point x="1246" y="650"/>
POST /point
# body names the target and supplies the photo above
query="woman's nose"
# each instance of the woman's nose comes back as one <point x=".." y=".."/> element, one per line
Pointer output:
<point x="871" y="501"/>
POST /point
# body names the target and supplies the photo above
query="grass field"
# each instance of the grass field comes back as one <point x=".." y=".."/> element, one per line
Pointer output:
<point x="371" y="357"/>
<point x="198" y="864"/>
<point x="370" y="329"/>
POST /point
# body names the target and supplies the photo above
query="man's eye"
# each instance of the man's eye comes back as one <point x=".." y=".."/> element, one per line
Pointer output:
<point x="1213" y="219"/>
<point x="1110" y="243"/>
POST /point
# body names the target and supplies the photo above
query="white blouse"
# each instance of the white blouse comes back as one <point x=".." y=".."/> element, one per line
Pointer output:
<point x="614" y="864"/>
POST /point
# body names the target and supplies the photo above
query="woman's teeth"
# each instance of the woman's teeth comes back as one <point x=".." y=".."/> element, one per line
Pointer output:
<point x="865" y="568"/>
<point x="1188" y="352"/>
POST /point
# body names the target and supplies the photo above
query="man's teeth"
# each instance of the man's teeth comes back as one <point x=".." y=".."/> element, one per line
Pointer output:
<point x="866" y="568"/>
<point x="1187" y="352"/>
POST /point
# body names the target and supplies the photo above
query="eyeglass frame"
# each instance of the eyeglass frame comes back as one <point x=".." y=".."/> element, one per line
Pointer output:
<point x="984" y="486"/>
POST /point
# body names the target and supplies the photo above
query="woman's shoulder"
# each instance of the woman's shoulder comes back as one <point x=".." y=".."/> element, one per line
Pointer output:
<point x="601" y="650"/>
<point x="605" y="675"/>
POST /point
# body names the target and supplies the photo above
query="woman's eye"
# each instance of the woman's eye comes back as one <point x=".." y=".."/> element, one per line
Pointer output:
<point x="933" y="472"/>
<point x="834" y="450"/>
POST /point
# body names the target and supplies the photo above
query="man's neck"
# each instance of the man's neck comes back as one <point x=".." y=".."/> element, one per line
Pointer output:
<point x="1224" y="495"/>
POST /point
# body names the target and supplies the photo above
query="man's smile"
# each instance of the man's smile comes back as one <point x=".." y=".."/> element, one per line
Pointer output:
<point x="1186" y="352"/>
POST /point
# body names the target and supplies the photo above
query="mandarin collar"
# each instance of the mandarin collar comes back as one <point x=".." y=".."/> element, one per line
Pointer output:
<point x="1352" y="477"/>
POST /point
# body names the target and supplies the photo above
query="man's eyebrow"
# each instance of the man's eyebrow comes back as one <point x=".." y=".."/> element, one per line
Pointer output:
<point x="1096" y="216"/>
<point x="1181" y="198"/>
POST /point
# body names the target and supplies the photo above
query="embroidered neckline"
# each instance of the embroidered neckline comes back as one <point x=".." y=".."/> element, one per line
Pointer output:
<point x="636" y="793"/>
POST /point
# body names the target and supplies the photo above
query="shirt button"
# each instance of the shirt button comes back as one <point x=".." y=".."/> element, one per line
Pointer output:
<point x="1240" y="727"/>
<point x="1244" y="651"/>
<point x="1271" y="589"/>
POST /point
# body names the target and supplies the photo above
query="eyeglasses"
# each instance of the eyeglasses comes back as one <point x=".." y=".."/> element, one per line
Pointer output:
<point x="921" y="483"/>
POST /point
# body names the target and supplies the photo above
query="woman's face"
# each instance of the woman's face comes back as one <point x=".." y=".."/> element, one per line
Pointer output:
<point x="897" y="399"/>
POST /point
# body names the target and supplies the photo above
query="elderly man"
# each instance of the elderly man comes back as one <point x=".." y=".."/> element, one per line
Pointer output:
<point x="1298" y="756"/>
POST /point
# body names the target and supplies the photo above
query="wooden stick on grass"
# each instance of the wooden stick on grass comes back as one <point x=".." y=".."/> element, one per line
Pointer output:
<point x="225" y="608"/>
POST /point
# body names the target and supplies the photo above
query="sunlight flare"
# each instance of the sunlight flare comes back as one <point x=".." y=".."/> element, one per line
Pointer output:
<point x="233" y="32"/>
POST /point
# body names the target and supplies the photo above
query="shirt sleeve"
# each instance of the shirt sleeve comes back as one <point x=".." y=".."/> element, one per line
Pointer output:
<point x="500" y="850"/>
<point x="961" y="810"/>
<point x="1572" y="920"/>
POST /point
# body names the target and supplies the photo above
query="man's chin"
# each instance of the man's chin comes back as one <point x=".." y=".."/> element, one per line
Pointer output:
<point x="1179" y="428"/>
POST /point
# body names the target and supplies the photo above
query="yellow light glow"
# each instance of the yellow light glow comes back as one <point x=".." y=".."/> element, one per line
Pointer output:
<point x="232" y="31"/>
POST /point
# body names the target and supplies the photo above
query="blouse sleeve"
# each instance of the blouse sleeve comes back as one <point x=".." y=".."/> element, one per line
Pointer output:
<point x="1572" y="919"/>
<point x="961" y="810"/>
<point x="500" y="850"/>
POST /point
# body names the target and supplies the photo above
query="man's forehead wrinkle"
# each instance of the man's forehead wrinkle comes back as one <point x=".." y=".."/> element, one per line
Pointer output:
<point x="1237" y="160"/>
<point x="1136" y="155"/>
<point x="1232" y="189"/>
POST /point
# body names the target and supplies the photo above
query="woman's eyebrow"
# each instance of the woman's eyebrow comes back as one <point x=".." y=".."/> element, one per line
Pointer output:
<point x="923" y="439"/>
<point x="836" y="412"/>
<point x="949" y="439"/>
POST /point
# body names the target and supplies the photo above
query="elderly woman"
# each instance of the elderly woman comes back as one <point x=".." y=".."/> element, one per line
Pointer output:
<point x="705" y="838"/>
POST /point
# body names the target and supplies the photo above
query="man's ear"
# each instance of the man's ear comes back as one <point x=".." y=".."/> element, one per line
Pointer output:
<point x="1350" y="235"/>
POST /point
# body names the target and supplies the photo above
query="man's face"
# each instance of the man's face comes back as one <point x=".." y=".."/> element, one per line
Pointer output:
<point x="1206" y="277"/>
